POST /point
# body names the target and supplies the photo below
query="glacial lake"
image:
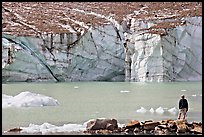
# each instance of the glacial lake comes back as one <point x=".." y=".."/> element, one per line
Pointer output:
<point x="82" y="101"/>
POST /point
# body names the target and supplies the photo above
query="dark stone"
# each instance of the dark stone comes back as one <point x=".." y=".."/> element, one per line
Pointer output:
<point x="163" y="126"/>
<point x="15" y="130"/>
<point x="146" y="121"/>
<point x="133" y="123"/>
<point x="97" y="124"/>
<point x="150" y="125"/>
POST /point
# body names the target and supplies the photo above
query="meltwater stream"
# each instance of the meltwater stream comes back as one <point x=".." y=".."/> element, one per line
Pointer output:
<point x="78" y="102"/>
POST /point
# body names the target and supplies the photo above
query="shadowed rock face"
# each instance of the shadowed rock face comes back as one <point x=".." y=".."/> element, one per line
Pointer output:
<point x="94" y="41"/>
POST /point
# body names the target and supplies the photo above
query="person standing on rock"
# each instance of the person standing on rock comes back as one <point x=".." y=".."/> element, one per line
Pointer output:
<point x="183" y="107"/>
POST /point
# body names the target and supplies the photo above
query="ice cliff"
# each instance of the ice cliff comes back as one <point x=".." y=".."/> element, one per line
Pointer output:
<point x="96" y="56"/>
<point x="173" y="56"/>
<point x="93" y="44"/>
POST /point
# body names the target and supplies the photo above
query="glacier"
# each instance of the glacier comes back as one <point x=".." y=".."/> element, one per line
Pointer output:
<point x="101" y="56"/>
<point x="176" y="56"/>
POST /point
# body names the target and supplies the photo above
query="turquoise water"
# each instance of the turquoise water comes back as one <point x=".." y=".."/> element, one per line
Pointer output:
<point x="81" y="101"/>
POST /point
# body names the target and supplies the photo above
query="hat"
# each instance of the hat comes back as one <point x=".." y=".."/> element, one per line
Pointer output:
<point x="182" y="96"/>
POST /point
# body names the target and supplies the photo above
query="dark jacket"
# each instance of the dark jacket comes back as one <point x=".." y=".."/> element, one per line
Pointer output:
<point x="183" y="103"/>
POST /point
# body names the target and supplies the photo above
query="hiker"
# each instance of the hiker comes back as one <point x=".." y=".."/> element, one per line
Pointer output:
<point x="183" y="107"/>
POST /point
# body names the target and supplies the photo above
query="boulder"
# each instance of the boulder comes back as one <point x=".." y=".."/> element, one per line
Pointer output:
<point x="133" y="124"/>
<point x="197" y="123"/>
<point x="172" y="127"/>
<point x="129" y="131"/>
<point x="159" y="131"/>
<point x="97" y="124"/>
<point x="166" y="121"/>
<point x="146" y="121"/>
<point x="137" y="130"/>
<point x="104" y="132"/>
<point x="163" y="126"/>
<point x="196" y="128"/>
<point x="110" y="126"/>
<point x="181" y="126"/>
<point x="14" y="130"/>
<point x="150" y="125"/>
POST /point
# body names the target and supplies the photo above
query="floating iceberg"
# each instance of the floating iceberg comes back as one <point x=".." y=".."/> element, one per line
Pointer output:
<point x="173" y="110"/>
<point x="76" y="87"/>
<point x="27" y="99"/>
<point x="124" y="91"/>
<point x="151" y="110"/>
<point x="159" y="110"/>
<point x="142" y="110"/>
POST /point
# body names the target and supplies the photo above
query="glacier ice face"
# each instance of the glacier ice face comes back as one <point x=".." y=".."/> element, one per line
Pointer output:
<point x="104" y="53"/>
<point x="97" y="56"/>
<point x="176" y="56"/>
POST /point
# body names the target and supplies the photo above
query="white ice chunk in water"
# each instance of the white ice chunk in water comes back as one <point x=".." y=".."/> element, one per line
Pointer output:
<point x="124" y="91"/>
<point x="46" y="128"/>
<point x="76" y="87"/>
<point x="142" y="110"/>
<point x="173" y="110"/>
<point x="151" y="110"/>
<point x="27" y="99"/>
<point x="160" y="110"/>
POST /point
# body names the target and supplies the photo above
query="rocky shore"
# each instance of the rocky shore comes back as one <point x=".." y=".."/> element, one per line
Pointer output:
<point x="149" y="127"/>
<point x="134" y="127"/>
